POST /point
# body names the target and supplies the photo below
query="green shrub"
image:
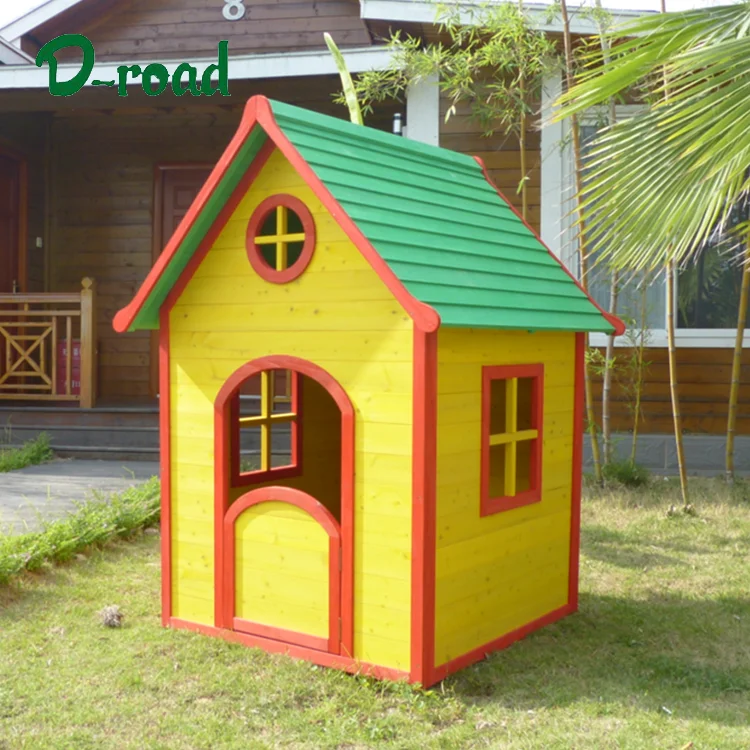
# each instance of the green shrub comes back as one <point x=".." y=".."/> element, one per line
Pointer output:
<point x="33" y="452"/>
<point x="96" y="522"/>
<point x="626" y="473"/>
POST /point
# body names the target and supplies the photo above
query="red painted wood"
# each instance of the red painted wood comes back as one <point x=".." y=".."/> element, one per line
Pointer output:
<point x="125" y="317"/>
<point x="477" y="654"/>
<point x="613" y="320"/>
<point x="575" y="489"/>
<point x="257" y="261"/>
<point x="322" y="658"/>
<point x="225" y="592"/>
<point x="295" y="469"/>
<point x="423" y="315"/>
<point x="490" y="505"/>
<point x="212" y="235"/>
<point x="281" y="634"/>
<point x="324" y="517"/>
<point x="424" y="477"/>
<point x="166" y="469"/>
<point x="258" y="110"/>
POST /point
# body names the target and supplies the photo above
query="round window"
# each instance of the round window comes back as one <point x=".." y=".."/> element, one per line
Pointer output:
<point x="280" y="238"/>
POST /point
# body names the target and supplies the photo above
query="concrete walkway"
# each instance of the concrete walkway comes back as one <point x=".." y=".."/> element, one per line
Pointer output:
<point x="53" y="490"/>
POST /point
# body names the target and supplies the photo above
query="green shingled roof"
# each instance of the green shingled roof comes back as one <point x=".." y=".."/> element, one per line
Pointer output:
<point x="441" y="227"/>
<point x="447" y="235"/>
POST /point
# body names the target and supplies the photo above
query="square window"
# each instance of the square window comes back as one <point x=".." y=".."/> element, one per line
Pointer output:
<point x="512" y="407"/>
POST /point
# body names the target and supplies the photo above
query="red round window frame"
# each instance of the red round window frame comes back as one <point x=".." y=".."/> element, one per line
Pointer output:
<point x="257" y="261"/>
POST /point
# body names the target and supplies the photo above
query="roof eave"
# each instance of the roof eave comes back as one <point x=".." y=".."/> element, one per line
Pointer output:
<point x="10" y="55"/>
<point x="424" y="11"/>
<point x="35" y="18"/>
<point x="241" y="67"/>
<point x="617" y="325"/>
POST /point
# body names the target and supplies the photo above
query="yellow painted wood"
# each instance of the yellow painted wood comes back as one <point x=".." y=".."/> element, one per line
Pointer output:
<point x="499" y="572"/>
<point x="225" y="345"/>
<point x="285" y="315"/>
<point x="457" y="528"/>
<point x="283" y="585"/>
<point x="505" y="622"/>
<point x="339" y="315"/>
<point x="511" y="424"/>
<point x="510" y="437"/>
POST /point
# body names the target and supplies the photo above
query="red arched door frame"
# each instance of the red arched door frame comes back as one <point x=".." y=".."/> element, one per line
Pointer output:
<point x="323" y="516"/>
<point x="222" y="479"/>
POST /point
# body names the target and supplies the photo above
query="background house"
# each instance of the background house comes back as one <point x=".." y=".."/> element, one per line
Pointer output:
<point x="95" y="184"/>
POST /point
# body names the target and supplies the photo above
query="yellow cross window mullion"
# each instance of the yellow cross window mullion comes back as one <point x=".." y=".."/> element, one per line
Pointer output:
<point x="266" y="417"/>
<point x="281" y="231"/>
<point x="265" y="412"/>
<point x="511" y="424"/>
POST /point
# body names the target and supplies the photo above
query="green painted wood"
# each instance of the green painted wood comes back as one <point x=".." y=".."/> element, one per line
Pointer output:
<point x="148" y="316"/>
<point x="430" y="213"/>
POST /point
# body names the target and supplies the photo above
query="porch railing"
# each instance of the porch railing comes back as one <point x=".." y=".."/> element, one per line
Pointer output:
<point x="48" y="346"/>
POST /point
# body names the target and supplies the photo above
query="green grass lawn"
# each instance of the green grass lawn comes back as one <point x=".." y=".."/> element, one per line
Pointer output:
<point x="658" y="657"/>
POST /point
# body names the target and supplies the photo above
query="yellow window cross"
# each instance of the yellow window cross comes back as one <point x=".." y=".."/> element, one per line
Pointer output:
<point x="266" y="418"/>
<point x="281" y="238"/>
<point x="511" y="436"/>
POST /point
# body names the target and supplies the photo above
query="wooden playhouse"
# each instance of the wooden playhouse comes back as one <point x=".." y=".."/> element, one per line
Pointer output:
<point x="371" y="403"/>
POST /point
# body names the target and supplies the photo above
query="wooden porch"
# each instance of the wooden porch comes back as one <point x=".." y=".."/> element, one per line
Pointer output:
<point x="100" y="185"/>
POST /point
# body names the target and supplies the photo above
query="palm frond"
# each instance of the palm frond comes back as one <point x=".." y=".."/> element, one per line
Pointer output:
<point x="660" y="182"/>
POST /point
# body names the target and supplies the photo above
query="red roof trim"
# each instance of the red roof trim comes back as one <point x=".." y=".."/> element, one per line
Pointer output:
<point x="258" y="110"/>
<point x="424" y="316"/>
<point x="613" y="320"/>
<point x="125" y="317"/>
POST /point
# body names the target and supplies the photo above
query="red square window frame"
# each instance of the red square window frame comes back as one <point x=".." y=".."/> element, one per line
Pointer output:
<point x="258" y="476"/>
<point x="492" y="505"/>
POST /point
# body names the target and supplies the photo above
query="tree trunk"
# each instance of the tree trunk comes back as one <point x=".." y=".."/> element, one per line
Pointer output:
<point x="734" y="390"/>
<point x="582" y="249"/>
<point x="673" y="382"/>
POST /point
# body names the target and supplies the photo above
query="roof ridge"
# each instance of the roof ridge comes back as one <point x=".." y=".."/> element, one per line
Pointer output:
<point x="359" y="132"/>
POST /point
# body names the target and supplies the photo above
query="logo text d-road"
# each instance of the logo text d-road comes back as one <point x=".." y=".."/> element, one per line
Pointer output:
<point x="155" y="77"/>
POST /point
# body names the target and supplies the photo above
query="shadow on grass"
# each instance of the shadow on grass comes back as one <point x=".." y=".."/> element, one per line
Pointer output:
<point x="687" y="655"/>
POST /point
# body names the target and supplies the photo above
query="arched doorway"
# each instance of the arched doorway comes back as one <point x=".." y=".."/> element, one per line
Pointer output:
<point x="284" y="483"/>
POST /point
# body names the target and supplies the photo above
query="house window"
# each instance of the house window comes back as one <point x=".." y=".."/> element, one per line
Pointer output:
<point x="512" y="401"/>
<point x="266" y="420"/>
<point x="706" y="291"/>
<point x="280" y="238"/>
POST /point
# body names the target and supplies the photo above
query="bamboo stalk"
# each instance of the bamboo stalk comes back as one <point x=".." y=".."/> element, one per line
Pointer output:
<point x="582" y="248"/>
<point x="639" y="372"/>
<point x="734" y="389"/>
<point x="677" y="418"/>
<point x="614" y="285"/>
<point x="607" y="379"/>
<point x="672" y="354"/>
<point x="522" y="138"/>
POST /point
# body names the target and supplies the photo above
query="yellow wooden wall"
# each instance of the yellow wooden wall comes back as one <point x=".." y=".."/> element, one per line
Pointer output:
<point x="497" y="573"/>
<point x="339" y="315"/>
<point x="287" y="586"/>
